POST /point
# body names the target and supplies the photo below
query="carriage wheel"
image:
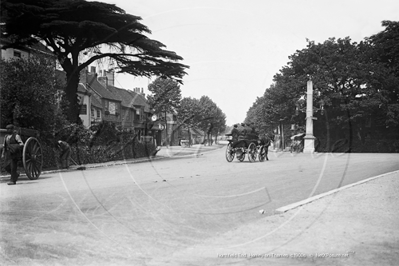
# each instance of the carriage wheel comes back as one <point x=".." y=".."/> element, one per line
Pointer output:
<point x="32" y="158"/>
<point x="240" y="155"/>
<point x="252" y="152"/>
<point x="262" y="154"/>
<point x="229" y="153"/>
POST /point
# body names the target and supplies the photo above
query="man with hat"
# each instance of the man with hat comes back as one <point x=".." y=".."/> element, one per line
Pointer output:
<point x="65" y="155"/>
<point x="12" y="148"/>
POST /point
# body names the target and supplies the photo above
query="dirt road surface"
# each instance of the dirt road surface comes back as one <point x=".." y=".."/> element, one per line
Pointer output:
<point x="202" y="210"/>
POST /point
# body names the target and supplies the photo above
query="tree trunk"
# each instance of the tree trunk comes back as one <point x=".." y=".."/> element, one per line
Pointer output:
<point x="189" y="136"/>
<point x="71" y="94"/>
<point x="166" y="129"/>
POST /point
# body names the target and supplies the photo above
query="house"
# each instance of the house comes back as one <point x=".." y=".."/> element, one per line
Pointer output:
<point x="196" y="136"/>
<point x="134" y="110"/>
<point x="107" y="105"/>
<point x="26" y="52"/>
<point x="84" y="98"/>
<point x="167" y="129"/>
<point x="86" y="101"/>
<point x="128" y="109"/>
<point x="101" y="101"/>
<point x="96" y="110"/>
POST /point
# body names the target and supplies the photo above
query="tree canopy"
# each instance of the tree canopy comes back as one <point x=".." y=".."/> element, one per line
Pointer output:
<point x="72" y="27"/>
<point x="203" y="114"/>
<point x="27" y="95"/>
<point x="165" y="95"/>
<point x="357" y="83"/>
<point x="213" y="119"/>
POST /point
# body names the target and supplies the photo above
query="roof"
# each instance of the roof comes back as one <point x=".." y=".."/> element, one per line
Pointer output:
<point x="130" y="99"/>
<point x="96" y="103"/>
<point x="139" y="100"/>
<point x="95" y="85"/>
<point x="39" y="47"/>
<point x="82" y="89"/>
<point x="34" y="48"/>
<point x="122" y="95"/>
<point x="193" y="131"/>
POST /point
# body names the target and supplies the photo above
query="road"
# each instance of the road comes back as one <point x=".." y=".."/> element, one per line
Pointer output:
<point x="135" y="214"/>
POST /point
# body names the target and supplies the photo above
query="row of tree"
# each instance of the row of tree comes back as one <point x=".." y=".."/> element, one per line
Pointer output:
<point x="191" y="113"/>
<point x="357" y="84"/>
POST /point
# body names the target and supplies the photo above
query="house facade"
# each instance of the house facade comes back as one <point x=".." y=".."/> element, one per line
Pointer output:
<point x="127" y="109"/>
<point x="25" y="52"/>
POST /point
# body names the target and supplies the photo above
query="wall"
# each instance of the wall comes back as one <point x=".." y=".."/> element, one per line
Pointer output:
<point x="9" y="54"/>
<point x="87" y="117"/>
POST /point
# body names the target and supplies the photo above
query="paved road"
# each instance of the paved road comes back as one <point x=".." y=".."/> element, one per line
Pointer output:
<point x="138" y="213"/>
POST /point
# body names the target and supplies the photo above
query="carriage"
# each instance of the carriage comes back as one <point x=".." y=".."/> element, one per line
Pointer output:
<point x="32" y="156"/>
<point x="247" y="144"/>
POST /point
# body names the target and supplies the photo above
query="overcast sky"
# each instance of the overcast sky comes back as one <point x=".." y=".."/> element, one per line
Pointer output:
<point x="234" y="47"/>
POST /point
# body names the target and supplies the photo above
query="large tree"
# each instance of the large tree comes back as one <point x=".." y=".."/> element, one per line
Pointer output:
<point x="164" y="98"/>
<point x="72" y="27"/>
<point x="190" y="114"/>
<point x="165" y="95"/>
<point x="385" y="50"/>
<point x="213" y="119"/>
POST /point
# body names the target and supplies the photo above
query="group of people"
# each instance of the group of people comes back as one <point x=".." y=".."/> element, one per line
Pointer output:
<point x="244" y="132"/>
<point x="12" y="153"/>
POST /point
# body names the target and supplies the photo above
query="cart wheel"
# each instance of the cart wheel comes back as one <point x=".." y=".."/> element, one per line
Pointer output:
<point x="32" y="158"/>
<point x="229" y="153"/>
<point x="252" y="152"/>
<point x="240" y="155"/>
<point x="262" y="154"/>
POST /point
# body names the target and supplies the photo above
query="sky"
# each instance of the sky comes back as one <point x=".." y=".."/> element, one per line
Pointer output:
<point x="235" y="47"/>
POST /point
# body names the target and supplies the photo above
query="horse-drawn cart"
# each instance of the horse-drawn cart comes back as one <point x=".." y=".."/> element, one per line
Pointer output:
<point x="255" y="148"/>
<point x="32" y="156"/>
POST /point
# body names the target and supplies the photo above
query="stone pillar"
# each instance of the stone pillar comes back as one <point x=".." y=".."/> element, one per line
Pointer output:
<point x="309" y="138"/>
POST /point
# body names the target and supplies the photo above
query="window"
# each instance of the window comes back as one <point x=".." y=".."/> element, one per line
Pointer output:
<point x="17" y="54"/>
<point x="98" y="113"/>
<point x="83" y="109"/>
<point x="92" y="112"/>
<point x="112" y="108"/>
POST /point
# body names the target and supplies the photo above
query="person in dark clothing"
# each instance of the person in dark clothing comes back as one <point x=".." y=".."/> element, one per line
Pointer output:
<point x="12" y="148"/>
<point x="65" y="153"/>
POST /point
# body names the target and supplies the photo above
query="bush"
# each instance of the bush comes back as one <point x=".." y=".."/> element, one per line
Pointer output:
<point x="87" y="146"/>
<point x="28" y="94"/>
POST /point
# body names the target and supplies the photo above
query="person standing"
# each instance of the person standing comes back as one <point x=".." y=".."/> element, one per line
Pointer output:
<point x="65" y="153"/>
<point x="12" y="148"/>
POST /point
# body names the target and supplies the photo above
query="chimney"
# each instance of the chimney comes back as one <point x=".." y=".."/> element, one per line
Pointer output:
<point x="110" y="76"/>
<point x="103" y="81"/>
<point x="93" y="69"/>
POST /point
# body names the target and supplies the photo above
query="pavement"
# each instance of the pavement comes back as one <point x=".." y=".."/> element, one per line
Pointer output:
<point x="356" y="224"/>
<point x="165" y="152"/>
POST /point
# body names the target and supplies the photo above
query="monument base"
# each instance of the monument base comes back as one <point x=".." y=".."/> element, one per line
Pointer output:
<point x="309" y="144"/>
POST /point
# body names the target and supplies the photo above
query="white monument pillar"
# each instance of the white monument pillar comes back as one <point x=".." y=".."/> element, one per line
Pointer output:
<point x="309" y="138"/>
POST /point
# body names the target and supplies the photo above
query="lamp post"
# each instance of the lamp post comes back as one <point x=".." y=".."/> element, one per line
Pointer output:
<point x="309" y="138"/>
